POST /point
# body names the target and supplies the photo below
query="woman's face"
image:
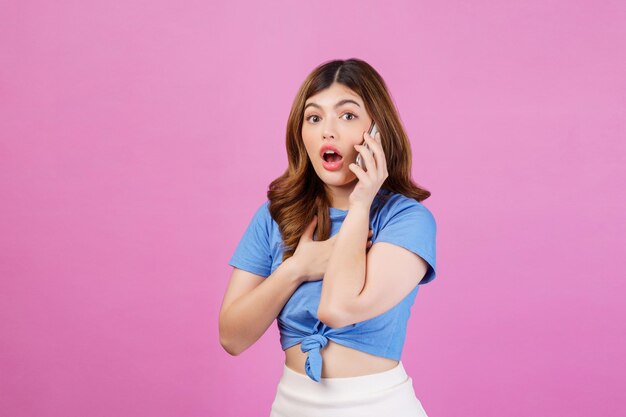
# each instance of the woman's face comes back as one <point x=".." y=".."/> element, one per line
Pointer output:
<point x="336" y="118"/>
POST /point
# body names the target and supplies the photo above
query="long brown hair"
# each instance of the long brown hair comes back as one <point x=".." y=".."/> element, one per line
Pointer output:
<point x="298" y="194"/>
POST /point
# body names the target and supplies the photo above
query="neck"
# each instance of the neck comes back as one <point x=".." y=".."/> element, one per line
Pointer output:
<point x="339" y="196"/>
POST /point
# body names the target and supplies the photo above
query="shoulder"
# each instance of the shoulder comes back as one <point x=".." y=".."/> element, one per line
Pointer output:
<point x="401" y="207"/>
<point x="264" y="209"/>
<point x="263" y="218"/>
<point x="260" y="221"/>
<point x="262" y="212"/>
<point x="408" y="223"/>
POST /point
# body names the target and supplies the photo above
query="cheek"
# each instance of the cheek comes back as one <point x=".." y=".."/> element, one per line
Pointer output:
<point x="308" y="145"/>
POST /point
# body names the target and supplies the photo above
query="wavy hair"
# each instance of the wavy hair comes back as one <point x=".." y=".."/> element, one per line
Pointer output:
<point x="299" y="194"/>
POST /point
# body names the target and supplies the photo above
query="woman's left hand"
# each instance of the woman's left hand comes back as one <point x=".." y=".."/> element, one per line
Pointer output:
<point x="371" y="179"/>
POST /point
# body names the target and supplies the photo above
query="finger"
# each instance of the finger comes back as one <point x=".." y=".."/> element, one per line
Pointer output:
<point x="378" y="154"/>
<point x="368" y="154"/>
<point x="383" y="158"/>
<point x="369" y="164"/>
<point x="358" y="171"/>
<point x="375" y="143"/>
<point x="308" y="232"/>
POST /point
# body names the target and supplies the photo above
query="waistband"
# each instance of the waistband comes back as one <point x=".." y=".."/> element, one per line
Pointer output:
<point x="371" y="383"/>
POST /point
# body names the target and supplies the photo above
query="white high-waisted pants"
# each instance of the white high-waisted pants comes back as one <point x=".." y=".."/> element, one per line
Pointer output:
<point x="389" y="393"/>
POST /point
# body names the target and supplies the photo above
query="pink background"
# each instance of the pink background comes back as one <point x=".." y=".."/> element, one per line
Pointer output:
<point x="138" y="138"/>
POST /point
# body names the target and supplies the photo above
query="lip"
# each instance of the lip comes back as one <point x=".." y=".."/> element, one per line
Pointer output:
<point x="327" y="147"/>
<point x="331" y="166"/>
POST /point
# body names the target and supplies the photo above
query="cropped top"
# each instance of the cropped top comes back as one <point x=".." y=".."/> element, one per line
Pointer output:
<point x="394" y="218"/>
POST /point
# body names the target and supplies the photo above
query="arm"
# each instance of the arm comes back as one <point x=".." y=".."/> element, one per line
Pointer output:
<point x="252" y="303"/>
<point x="345" y="276"/>
<point x="357" y="286"/>
<point x="392" y="272"/>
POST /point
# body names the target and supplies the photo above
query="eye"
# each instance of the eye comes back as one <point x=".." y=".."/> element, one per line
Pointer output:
<point x="353" y="116"/>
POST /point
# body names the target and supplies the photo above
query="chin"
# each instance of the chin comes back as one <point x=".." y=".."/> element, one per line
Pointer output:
<point x="337" y="178"/>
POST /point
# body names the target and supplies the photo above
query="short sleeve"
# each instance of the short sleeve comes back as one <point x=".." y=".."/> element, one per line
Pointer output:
<point x="253" y="253"/>
<point x="411" y="225"/>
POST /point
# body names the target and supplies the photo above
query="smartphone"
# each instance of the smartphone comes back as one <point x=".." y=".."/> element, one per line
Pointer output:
<point x="372" y="132"/>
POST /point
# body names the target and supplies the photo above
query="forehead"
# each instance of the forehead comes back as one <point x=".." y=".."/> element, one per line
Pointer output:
<point x="329" y="96"/>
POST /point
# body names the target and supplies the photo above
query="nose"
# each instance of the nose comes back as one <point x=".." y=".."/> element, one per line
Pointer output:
<point x="328" y="132"/>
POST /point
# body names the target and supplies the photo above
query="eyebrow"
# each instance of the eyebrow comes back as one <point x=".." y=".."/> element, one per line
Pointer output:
<point x="339" y="103"/>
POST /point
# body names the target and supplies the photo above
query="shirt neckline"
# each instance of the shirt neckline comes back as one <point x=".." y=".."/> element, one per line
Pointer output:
<point x="337" y="213"/>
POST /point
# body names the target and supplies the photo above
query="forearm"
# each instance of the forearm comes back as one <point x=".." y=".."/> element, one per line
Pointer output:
<point x="345" y="275"/>
<point x="248" y="317"/>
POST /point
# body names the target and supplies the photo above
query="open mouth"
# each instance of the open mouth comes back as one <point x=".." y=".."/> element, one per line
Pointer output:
<point x="332" y="161"/>
<point x="332" y="157"/>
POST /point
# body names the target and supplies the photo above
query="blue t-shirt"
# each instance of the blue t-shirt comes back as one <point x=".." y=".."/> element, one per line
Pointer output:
<point x="394" y="218"/>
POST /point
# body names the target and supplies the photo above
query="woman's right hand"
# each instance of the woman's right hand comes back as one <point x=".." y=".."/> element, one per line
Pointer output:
<point x="312" y="256"/>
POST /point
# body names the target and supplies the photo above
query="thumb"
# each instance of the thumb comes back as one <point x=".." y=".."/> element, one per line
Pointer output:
<point x="308" y="232"/>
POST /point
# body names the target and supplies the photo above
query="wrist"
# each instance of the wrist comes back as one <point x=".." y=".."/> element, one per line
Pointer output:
<point x="360" y="207"/>
<point x="294" y="269"/>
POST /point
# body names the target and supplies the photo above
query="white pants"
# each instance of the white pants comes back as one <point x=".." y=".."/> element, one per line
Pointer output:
<point x="389" y="393"/>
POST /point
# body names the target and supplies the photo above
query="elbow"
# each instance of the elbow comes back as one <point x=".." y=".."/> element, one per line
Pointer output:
<point x="229" y="344"/>
<point x="231" y="348"/>
<point x="333" y="317"/>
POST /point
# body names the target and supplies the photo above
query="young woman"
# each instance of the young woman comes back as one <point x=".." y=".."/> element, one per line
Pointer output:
<point x="341" y="300"/>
